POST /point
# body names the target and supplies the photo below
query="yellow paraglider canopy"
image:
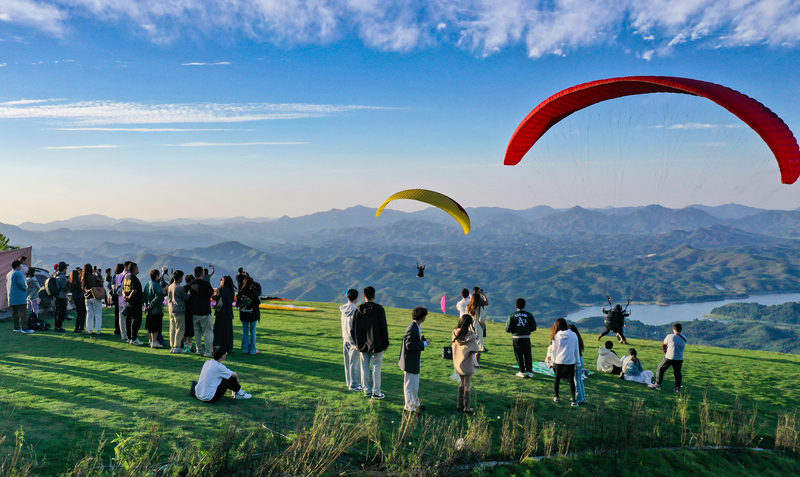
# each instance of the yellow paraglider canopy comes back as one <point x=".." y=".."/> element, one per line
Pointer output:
<point x="435" y="199"/>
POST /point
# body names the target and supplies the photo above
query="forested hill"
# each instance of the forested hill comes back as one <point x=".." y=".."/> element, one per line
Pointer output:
<point x="556" y="259"/>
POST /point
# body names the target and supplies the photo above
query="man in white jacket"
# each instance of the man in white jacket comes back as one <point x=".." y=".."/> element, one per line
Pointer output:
<point x="352" y="357"/>
<point x="608" y="361"/>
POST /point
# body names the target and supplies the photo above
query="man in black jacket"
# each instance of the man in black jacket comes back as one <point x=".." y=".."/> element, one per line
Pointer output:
<point x="411" y="359"/>
<point x="371" y="334"/>
<point x="201" y="292"/>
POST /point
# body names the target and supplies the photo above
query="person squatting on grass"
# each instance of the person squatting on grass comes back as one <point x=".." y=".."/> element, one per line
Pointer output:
<point x="94" y="306"/>
<point x="521" y="324"/>
<point x="216" y="379"/>
<point x="352" y="358"/>
<point x="248" y="303"/>
<point x="580" y="392"/>
<point x="201" y="292"/>
<point x="17" y="294"/>
<point x="565" y="354"/>
<point x="176" y="301"/>
<point x="633" y="369"/>
<point x="673" y="347"/>
<point x="371" y="333"/>
<point x="414" y="343"/>
<point x="465" y="359"/>
<point x="607" y="359"/>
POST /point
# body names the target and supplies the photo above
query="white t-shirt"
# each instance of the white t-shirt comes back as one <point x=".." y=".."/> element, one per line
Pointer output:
<point x="462" y="307"/>
<point x="675" y="345"/>
<point x="212" y="374"/>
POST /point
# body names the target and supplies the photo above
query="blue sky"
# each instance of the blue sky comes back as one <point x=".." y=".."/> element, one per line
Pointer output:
<point x="269" y="108"/>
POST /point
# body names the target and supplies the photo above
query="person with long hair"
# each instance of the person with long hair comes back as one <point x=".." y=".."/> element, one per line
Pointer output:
<point x="633" y="369"/>
<point x="78" y="299"/>
<point x="580" y="392"/>
<point x="475" y="308"/>
<point x="465" y="359"/>
<point x="94" y="306"/>
<point x="249" y="313"/>
<point x="223" y="319"/>
<point x="566" y="354"/>
<point x="154" y="308"/>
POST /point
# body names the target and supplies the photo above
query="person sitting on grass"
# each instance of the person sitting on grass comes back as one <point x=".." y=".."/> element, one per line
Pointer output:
<point x="608" y="361"/>
<point x="633" y="369"/>
<point x="216" y="379"/>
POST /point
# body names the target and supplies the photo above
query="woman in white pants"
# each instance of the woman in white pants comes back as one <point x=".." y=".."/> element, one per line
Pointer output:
<point x="94" y="305"/>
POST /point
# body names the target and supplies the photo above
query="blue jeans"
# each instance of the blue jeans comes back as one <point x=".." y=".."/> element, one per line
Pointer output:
<point x="579" y="391"/>
<point x="249" y="337"/>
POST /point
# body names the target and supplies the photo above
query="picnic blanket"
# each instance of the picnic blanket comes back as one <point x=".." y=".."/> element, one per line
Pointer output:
<point x="541" y="368"/>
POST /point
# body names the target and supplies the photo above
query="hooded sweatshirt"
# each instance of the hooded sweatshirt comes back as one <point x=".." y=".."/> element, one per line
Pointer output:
<point x="348" y="312"/>
<point x="370" y="329"/>
<point x="565" y="348"/>
<point x="607" y="359"/>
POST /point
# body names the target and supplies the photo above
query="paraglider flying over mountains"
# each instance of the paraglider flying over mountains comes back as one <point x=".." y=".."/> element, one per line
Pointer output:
<point x="775" y="133"/>
<point x="435" y="199"/>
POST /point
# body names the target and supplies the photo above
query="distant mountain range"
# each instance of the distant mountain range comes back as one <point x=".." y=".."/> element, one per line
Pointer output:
<point x="557" y="259"/>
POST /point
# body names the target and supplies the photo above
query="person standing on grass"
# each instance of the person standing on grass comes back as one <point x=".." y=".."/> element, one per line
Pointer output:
<point x="176" y="301"/>
<point x="119" y="284"/>
<point x="188" y="318"/>
<point x="461" y="306"/>
<point x="414" y="343"/>
<point x="673" y="348"/>
<point x="78" y="299"/>
<point x="248" y="303"/>
<point x="60" y="298"/>
<point x="17" y="294"/>
<point x="223" y="323"/>
<point x="371" y="333"/>
<point x="565" y="355"/>
<point x="521" y="324"/>
<point x="352" y="358"/>
<point x="201" y="292"/>
<point x="132" y="291"/>
<point x="114" y="291"/>
<point x="465" y="359"/>
<point x="216" y="379"/>
<point x="33" y="287"/>
<point x="154" y="307"/>
<point x="580" y="392"/>
<point x="94" y="306"/>
<point x="477" y="303"/>
<point x="207" y="276"/>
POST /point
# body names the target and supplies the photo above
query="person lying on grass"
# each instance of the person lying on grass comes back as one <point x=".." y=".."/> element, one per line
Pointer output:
<point x="215" y="379"/>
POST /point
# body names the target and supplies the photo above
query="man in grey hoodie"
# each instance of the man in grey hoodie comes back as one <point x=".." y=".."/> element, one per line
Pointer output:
<point x="352" y="357"/>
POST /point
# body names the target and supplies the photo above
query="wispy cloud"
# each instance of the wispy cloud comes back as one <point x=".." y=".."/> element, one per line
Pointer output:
<point x="95" y="146"/>
<point x="212" y="144"/>
<point x="544" y="27"/>
<point x="697" y="126"/>
<point x="148" y="129"/>
<point x="89" y="113"/>
<point x="20" y="102"/>
<point x="206" y="64"/>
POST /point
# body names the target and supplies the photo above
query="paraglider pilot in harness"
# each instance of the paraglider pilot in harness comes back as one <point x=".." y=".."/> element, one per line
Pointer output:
<point x="420" y="271"/>
<point x="615" y="321"/>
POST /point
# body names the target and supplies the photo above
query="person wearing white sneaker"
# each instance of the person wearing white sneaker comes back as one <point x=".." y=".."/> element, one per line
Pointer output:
<point x="216" y="379"/>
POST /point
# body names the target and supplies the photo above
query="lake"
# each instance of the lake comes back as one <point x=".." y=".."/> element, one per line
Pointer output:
<point x="661" y="314"/>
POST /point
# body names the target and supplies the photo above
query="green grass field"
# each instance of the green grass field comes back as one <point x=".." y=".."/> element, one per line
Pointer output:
<point x="67" y="390"/>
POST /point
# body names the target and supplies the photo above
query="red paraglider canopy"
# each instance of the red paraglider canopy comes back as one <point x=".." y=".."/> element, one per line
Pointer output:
<point x="767" y="124"/>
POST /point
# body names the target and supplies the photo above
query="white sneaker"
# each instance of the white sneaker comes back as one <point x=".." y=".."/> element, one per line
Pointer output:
<point x="520" y="374"/>
<point x="242" y="395"/>
<point x="136" y="342"/>
<point x="29" y="331"/>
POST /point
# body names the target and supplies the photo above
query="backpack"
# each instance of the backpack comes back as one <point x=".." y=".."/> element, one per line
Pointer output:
<point x="257" y="288"/>
<point x="51" y="286"/>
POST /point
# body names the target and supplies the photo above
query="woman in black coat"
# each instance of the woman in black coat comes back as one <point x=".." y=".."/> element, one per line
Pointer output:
<point x="248" y="301"/>
<point x="223" y="314"/>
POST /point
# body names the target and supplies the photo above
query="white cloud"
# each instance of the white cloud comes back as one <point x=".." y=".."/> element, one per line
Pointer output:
<point x="97" y="146"/>
<point x="90" y="113"/>
<point x="206" y="64"/>
<point x="2" y="64"/>
<point x="544" y="27"/>
<point x="147" y="129"/>
<point x="212" y="144"/>
<point x="25" y="101"/>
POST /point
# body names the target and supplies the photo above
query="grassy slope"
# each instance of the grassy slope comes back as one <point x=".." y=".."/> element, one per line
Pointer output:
<point x="66" y="389"/>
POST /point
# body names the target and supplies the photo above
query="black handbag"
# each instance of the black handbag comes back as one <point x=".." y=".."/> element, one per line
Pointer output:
<point x="447" y="352"/>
